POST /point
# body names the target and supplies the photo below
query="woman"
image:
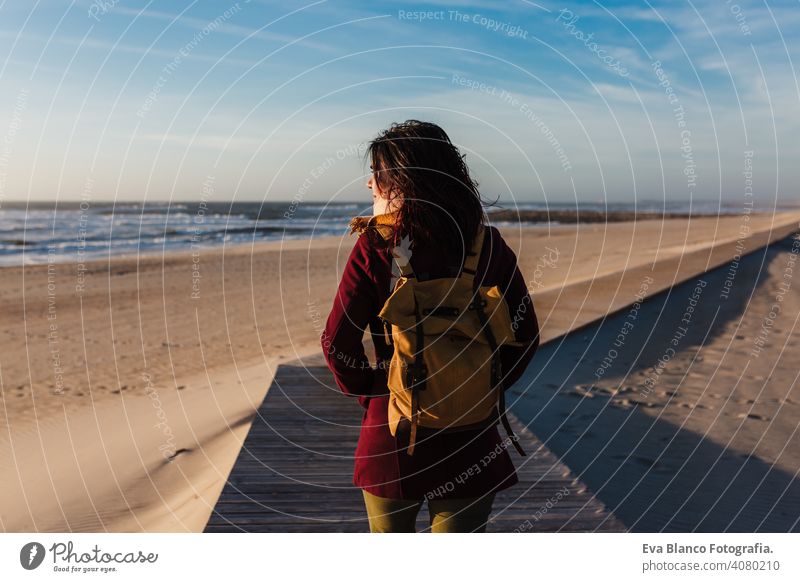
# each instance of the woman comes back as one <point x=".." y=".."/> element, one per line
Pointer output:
<point x="423" y="193"/>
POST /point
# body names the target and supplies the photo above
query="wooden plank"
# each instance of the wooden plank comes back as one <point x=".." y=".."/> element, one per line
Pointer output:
<point x="294" y="471"/>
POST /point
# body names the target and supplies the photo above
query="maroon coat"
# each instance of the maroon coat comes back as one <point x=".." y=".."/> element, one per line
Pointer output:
<point x="443" y="466"/>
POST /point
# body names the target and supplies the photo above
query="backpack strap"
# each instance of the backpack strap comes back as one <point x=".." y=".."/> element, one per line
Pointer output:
<point x="405" y="270"/>
<point x="416" y="375"/>
<point x="478" y="303"/>
<point x="470" y="265"/>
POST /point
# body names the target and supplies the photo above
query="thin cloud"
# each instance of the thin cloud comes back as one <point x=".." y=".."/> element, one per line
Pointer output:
<point x="225" y="27"/>
<point x="98" y="44"/>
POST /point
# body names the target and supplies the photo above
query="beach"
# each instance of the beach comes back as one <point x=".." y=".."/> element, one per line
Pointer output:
<point x="129" y="384"/>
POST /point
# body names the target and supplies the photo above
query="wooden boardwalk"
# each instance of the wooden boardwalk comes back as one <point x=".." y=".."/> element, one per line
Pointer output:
<point x="294" y="471"/>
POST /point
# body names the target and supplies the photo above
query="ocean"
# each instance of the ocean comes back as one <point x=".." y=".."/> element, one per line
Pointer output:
<point x="72" y="231"/>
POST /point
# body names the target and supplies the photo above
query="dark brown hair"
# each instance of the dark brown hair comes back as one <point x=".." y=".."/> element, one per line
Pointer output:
<point x="417" y="162"/>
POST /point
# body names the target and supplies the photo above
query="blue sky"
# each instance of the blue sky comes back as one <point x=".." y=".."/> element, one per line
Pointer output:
<point x="551" y="101"/>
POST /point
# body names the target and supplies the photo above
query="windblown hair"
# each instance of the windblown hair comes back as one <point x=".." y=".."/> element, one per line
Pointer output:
<point x="417" y="162"/>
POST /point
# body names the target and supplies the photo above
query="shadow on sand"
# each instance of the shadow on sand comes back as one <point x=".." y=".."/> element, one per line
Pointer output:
<point x="651" y="473"/>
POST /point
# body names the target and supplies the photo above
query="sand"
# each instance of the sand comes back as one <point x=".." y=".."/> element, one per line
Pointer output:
<point x="683" y="414"/>
<point x="128" y="388"/>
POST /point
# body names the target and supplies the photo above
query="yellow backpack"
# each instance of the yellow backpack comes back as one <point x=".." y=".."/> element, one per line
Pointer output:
<point x="445" y="372"/>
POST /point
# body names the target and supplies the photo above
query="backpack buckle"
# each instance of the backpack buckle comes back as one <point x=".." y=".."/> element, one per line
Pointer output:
<point x="478" y="303"/>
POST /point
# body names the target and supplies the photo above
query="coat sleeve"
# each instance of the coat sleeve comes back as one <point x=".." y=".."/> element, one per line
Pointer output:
<point x="355" y="304"/>
<point x="514" y="359"/>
